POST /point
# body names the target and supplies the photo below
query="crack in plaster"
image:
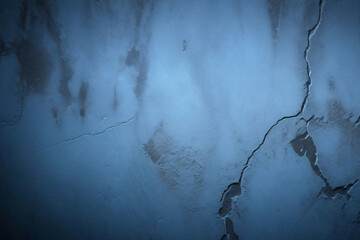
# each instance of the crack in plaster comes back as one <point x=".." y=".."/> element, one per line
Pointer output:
<point x="234" y="189"/>
<point x="92" y="134"/>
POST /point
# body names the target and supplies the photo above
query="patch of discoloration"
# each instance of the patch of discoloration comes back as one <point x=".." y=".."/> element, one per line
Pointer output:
<point x="44" y="10"/>
<point x="83" y="93"/>
<point x="139" y="6"/>
<point x="152" y="151"/>
<point x="55" y="115"/>
<point x="357" y="220"/>
<point x="135" y="59"/>
<point x="140" y="80"/>
<point x="115" y="103"/>
<point x="132" y="58"/>
<point x="66" y="76"/>
<point x="175" y="162"/>
<point x="24" y="13"/>
<point x="46" y="14"/>
<point x="4" y="50"/>
<point x="54" y="112"/>
<point x="35" y="66"/>
<point x="338" y="116"/>
<point x="184" y="46"/>
<point x="336" y="112"/>
<point x="331" y="84"/>
<point x="274" y="10"/>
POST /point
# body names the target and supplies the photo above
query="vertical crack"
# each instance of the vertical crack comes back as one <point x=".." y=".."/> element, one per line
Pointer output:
<point x="234" y="189"/>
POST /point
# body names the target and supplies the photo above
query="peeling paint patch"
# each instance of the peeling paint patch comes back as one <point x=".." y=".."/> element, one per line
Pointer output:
<point x="304" y="145"/>
<point x="233" y="191"/>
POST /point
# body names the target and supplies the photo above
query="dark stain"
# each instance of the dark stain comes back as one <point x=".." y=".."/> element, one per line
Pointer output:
<point x="4" y="50"/>
<point x="337" y="112"/>
<point x="115" y="101"/>
<point x="24" y="12"/>
<point x="132" y="57"/>
<point x="139" y="7"/>
<point x="150" y="149"/>
<point x="33" y="19"/>
<point x="274" y="10"/>
<point x="66" y="76"/>
<point x="35" y="66"/>
<point x="140" y="80"/>
<point x="83" y="93"/>
<point x="173" y="161"/>
<point x="331" y="83"/>
<point x="54" y="113"/>
<point x="233" y="191"/>
<point x="184" y="46"/>
<point x="45" y="13"/>
<point x="357" y="220"/>
<point x="159" y="143"/>
<point x="44" y="10"/>
<point x="82" y="112"/>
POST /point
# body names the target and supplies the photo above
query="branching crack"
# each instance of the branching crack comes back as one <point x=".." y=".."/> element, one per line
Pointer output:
<point x="92" y="134"/>
<point x="234" y="189"/>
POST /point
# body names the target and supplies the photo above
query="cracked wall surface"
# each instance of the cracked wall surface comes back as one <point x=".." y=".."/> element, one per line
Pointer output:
<point x="179" y="119"/>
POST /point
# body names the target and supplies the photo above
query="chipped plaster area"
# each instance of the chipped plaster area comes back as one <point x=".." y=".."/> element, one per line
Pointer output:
<point x="344" y="130"/>
<point x="235" y="189"/>
<point x="294" y="203"/>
